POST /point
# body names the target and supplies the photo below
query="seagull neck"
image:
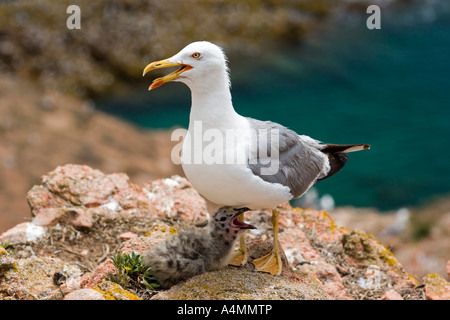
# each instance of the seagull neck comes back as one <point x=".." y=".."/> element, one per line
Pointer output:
<point x="212" y="105"/>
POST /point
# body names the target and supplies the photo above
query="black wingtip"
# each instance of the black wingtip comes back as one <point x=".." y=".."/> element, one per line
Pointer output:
<point x="337" y="162"/>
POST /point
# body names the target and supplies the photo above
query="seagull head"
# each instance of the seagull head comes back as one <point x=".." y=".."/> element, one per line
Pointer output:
<point x="225" y="222"/>
<point x="199" y="64"/>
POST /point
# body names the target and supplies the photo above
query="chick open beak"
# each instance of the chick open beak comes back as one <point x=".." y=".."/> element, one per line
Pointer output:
<point x="165" y="64"/>
<point x="237" y="223"/>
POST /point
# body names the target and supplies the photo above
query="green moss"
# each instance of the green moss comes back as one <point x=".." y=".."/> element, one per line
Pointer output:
<point x="357" y="245"/>
<point x="367" y="249"/>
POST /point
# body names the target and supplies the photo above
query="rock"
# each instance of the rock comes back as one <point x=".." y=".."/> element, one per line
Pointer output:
<point x="6" y="262"/>
<point x="231" y="284"/>
<point x="419" y="256"/>
<point x="76" y="194"/>
<point x="112" y="291"/>
<point x="294" y="239"/>
<point x="175" y="198"/>
<point x="22" y="233"/>
<point x="141" y="244"/>
<point x="127" y="235"/>
<point x="321" y="260"/>
<point x="78" y="217"/>
<point x="391" y="295"/>
<point x="103" y="290"/>
<point x="85" y="294"/>
<point x="33" y="278"/>
<point x="90" y="280"/>
<point x="325" y="246"/>
<point x="372" y="279"/>
<point x="436" y="287"/>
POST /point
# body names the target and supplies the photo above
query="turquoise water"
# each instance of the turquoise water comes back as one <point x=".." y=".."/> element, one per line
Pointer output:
<point x="347" y="84"/>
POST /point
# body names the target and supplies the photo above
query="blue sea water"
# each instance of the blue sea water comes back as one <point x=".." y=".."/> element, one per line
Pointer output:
<point x="346" y="84"/>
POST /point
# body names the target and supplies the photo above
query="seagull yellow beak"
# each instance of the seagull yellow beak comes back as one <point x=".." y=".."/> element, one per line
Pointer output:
<point x="165" y="64"/>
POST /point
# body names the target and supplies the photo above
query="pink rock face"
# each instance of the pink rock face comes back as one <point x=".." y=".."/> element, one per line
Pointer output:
<point x="22" y="233"/>
<point x="436" y="287"/>
<point x="90" y="280"/>
<point x="18" y="234"/>
<point x="343" y="263"/>
<point x="127" y="235"/>
<point x="391" y="295"/>
<point x="159" y="233"/>
<point x="138" y="244"/>
<point x="84" y="294"/>
<point x="174" y="198"/>
<point x="74" y="194"/>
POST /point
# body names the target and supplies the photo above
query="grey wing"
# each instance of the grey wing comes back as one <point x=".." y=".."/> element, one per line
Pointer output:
<point x="300" y="162"/>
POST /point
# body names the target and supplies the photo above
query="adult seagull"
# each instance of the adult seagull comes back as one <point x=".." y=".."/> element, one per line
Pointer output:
<point x="263" y="166"/>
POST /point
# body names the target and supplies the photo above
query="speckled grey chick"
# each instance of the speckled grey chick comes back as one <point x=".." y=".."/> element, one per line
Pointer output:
<point x="192" y="252"/>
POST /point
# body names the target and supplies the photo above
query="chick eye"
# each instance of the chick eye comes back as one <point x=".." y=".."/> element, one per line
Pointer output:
<point x="196" y="55"/>
<point x="223" y="218"/>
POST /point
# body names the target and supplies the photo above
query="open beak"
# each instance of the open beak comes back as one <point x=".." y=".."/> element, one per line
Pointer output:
<point x="165" y="64"/>
<point x="237" y="223"/>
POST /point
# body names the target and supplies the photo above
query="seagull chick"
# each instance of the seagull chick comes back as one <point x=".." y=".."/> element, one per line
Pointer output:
<point x="192" y="252"/>
<point x="301" y="160"/>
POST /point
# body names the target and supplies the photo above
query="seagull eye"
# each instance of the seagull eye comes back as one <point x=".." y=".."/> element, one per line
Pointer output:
<point x="196" y="55"/>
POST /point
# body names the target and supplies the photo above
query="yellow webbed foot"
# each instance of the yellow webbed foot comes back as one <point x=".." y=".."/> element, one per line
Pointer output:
<point x="270" y="263"/>
<point x="238" y="259"/>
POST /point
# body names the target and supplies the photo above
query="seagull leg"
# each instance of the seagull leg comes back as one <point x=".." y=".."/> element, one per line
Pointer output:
<point x="271" y="263"/>
<point x="240" y="256"/>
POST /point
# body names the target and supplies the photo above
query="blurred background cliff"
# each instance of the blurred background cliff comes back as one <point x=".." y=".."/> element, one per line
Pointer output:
<point x="77" y="96"/>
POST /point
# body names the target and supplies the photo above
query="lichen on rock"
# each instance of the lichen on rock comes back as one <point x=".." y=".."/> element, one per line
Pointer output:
<point x="321" y="260"/>
<point x="436" y="287"/>
<point x="232" y="284"/>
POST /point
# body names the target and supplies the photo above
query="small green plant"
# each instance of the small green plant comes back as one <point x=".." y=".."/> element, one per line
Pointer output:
<point x="5" y="245"/>
<point x="8" y="248"/>
<point x="132" y="272"/>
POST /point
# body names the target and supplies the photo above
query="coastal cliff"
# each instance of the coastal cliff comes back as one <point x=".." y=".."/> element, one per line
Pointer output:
<point x="82" y="218"/>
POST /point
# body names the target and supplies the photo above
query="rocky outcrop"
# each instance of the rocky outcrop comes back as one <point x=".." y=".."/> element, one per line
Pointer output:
<point x="83" y="217"/>
<point x="41" y="129"/>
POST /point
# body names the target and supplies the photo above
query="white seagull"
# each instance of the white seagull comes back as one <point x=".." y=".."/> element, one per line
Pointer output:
<point x="293" y="162"/>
